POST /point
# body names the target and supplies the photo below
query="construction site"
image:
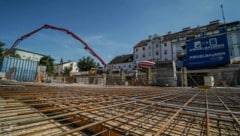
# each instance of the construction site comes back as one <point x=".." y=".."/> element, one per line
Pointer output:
<point x="181" y="83"/>
<point x="51" y="109"/>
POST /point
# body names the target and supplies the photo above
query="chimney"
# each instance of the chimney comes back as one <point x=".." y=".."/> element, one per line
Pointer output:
<point x="150" y="37"/>
<point x="214" y="22"/>
<point x="186" y="28"/>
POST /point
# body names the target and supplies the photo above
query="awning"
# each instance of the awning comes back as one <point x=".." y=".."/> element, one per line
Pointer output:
<point x="146" y="64"/>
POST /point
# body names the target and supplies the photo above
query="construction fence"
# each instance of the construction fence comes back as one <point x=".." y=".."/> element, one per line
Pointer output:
<point x="19" y="69"/>
<point x="121" y="78"/>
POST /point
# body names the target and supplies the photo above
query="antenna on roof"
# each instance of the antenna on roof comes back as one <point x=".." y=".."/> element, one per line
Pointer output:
<point x="223" y="14"/>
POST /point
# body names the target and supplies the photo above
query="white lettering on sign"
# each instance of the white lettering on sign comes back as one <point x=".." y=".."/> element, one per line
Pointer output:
<point x="207" y="55"/>
<point x="213" y="45"/>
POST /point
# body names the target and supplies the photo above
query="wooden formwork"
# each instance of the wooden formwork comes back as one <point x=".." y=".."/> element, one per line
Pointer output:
<point x="113" y="111"/>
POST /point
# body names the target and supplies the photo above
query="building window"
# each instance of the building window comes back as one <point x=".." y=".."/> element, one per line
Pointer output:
<point x="156" y="45"/>
<point x="149" y="53"/>
<point x="165" y="44"/>
<point x="157" y="53"/>
<point x="143" y="55"/>
<point x="239" y="49"/>
<point x="165" y="52"/>
<point x="213" y="42"/>
<point x="216" y="31"/>
<point x="136" y="56"/>
<point x="136" y="49"/>
<point x="143" y="48"/>
<point x="149" y="47"/>
<point x="129" y="66"/>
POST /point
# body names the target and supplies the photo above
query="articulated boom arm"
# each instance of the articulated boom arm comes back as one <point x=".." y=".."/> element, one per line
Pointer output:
<point x="46" y="26"/>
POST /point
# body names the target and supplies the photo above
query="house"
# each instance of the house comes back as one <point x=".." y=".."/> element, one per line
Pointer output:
<point x="29" y="55"/>
<point x="59" y="68"/>
<point x="153" y="49"/>
<point x="210" y="45"/>
<point x="122" y="62"/>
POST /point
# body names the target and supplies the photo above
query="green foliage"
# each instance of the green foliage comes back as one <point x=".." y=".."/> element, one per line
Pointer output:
<point x="10" y="55"/>
<point x="14" y="55"/>
<point x="48" y="61"/>
<point x="67" y="70"/>
<point x="1" y="49"/>
<point x="86" y="63"/>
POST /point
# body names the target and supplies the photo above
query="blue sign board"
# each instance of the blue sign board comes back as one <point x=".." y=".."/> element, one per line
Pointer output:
<point x="207" y="52"/>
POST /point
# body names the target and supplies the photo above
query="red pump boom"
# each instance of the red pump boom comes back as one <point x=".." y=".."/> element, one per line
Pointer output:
<point x="46" y="26"/>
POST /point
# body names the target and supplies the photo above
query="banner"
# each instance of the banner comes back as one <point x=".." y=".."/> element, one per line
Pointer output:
<point x="207" y="52"/>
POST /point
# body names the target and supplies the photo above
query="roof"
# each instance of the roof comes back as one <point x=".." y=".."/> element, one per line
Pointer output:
<point x="191" y="32"/>
<point x="142" y="43"/>
<point x="62" y="63"/>
<point x="28" y="51"/>
<point x="122" y="59"/>
<point x="188" y="32"/>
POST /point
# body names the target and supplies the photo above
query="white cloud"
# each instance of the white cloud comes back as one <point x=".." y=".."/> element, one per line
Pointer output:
<point x="106" y="48"/>
<point x="100" y="41"/>
<point x="94" y="38"/>
<point x="66" y="46"/>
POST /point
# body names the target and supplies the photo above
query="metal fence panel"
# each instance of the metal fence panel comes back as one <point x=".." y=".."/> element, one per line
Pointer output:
<point x="19" y="69"/>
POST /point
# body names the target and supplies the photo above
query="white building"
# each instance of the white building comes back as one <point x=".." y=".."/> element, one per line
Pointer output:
<point x="233" y="36"/>
<point x="59" y="68"/>
<point x="153" y="49"/>
<point x="173" y="46"/>
<point x="24" y="54"/>
<point x="122" y="62"/>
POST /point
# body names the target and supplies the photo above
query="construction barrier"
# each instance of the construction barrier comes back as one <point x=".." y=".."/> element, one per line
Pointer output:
<point x="19" y="69"/>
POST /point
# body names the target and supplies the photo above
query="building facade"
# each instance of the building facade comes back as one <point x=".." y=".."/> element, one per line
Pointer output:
<point x="122" y="62"/>
<point x="155" y="48"/>
<point x="29" y="55"/>
<point x="59" y="68"/>
<point x="233" y="36"/>
<point x="210" y="45"/>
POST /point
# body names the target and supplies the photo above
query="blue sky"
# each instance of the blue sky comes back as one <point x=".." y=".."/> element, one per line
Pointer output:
<point x="110" y="27"/>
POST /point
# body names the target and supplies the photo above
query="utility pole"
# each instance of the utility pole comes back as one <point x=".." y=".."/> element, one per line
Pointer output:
<point x="223" y="14"/>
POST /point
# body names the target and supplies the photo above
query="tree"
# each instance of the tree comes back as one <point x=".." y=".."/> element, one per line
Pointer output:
<point x="67" y="70"/>
<point x="86" y="63"/>
<point x="1" y="50"/>
<point x="13" y="55"/>
<point x="48" y="62"/>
